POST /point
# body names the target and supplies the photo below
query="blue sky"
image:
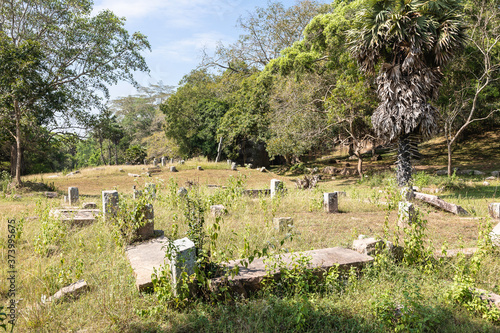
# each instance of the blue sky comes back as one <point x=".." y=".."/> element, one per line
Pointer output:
<point x="177" y="31"/>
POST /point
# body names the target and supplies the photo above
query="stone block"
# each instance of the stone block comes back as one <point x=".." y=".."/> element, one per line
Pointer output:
<point x="331" y="202"/>
<point x="233" y="166"/>
<point x="199" y="168"/>
<point x="163" y="161"/>
<point x="72" y="195"/>
<point x="276" y="187"/>
<point x="282" y="223"/>
<point x="51" y="195"/>
<point x="218" y="210"/>
<point x="182" y="192"/>
<point x="263" y="169"/>
<point x="73" y="290"/>
<point x="89" y="205"/>
<point x="182" y="258"/>
<point x="494" y="210"/>
<point x="147" y="230"/>
<point x="406" y="214"/>
<point x="256" y="193"/>
<point x="109" y="203"/>
<point x="173" y="168"/>
<point x="229" y="162"/>
<point x="366" y="246"/>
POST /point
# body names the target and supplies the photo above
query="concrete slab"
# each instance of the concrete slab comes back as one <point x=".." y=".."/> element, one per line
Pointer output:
<point x="75" y="216"/>
<point x="250" y="278"/>
<point x="144" y="258"/>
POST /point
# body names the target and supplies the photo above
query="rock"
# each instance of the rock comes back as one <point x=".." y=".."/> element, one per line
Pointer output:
<point x="491" y="178"/>
<point x="134" y="175"/>
<point x="366" y="246"/>
<point x="173" y="169"/>
<point x="72" y="195"/>
<point x="199" y="168"/>
<point x="16" y="197"/>
<point x="154" y="169"/>
<point x="182" y="192"/>
<point x="494" y="210"/>
<point x="89" y="205"/>
<point x="331" y="202"/>
<point x="441" y="172"/>
<point x="218" y="210"/>
<point x="181" y="162"/>
<point x="121" y="170"/>
<point x="109" y="203"/>
<point x="263" y="169"/>
<point x="282" y="223"/>
<point x="50" y="195"/>
<point x="74" y="290"/>
<point x="329" y="170"/>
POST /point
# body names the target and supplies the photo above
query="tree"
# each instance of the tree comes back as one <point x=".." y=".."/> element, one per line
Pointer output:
<point x="80" y="55"/>
<point x="472" y="85"/>
<point x="268" y="30"/>
<point x="413" y="40"/>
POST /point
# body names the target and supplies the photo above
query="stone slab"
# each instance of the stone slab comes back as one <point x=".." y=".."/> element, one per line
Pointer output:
<point x="256" y="193"/>
<point x="75" y="216"/>
<point x="250" y="278"/>
<point x="144" y="258"/>
<point x="440" y="203"/>
<point x="73" y="290"/>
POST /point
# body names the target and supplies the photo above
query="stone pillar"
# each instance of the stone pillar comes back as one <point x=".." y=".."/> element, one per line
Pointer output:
<point x="109" y="203"/>
<point x="154" y="162"/>
<point x="406" y="214"/>
<point x="331" y="202"/>
<point x="282" y="223"/>
<point x="229" y="162"/>
<point x="173" y="169"/>
<point x="182" y="259"/>
<point x="163" y="161"/>
<point x="233" y="166"/>
<point x="147" y="230"/>
<point x="494" y="210"/>
<point x="171" y="161"/>
<point x="72" y="195"/>
<point x="145" y="161"/>
<point x="276" y="187"/>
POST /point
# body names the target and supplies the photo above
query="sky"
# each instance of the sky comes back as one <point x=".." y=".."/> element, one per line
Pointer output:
<point x="178" y="30"/>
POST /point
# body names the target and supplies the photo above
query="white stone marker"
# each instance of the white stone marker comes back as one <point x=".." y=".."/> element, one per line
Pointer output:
<point x="331" y="202"/>
<point x="73" y="195"/>
<point x="229" y="162"/>
<point x="494" y="210"/>
<point x="163" y="161"/>
<point x="109" y="203"/>
<point x="199" y="168"/>
<point x="495" y="235"/>
<point x="233" y="166"/>
<point x="173" y="168"/>
<point x="276" y="187"/>
<point x="171" y="161"/>
<point x="282" y="223"/>
<point x="183" y="259"/>
<point x="154" y="162"/>
<point x="406" y="214"/>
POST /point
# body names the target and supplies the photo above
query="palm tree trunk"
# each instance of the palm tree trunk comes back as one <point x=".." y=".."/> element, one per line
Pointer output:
<point x="403" y="171"/>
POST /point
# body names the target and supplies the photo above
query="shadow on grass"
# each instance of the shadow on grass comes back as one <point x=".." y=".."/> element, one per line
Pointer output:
<point x="484" y="192"/>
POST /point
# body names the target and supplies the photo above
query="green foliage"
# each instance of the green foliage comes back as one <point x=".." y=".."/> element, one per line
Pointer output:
<point x="135" y="154"/>
<point x="5" y="180"/>
<point x="52" y="230"/>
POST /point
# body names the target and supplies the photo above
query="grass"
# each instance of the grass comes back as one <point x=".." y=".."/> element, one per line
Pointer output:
<point x="95" y="254"/>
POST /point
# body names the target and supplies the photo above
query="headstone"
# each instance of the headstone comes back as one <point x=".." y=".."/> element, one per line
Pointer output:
<point x="89" y="205"/>
<point x="233" y="166"/>
<point x="282" y="223"/>
<point x="65" y="199"/>
<point x="182" y="259"/>
<point x="145" y="162"/>
<point x="218" y="210"/>
<point x="494" y="210"/>
<point x="181" y="162"/>
<point x="173" y="168"/>
<point x="366" y="245"/>
<point x="182" y="192"/>
<point x="73" y="290"/>
<point x="171" y="161"/>
<point x="485" y="183"/>
<point x="109" y="203"/>
<point x="276" y="187"/>
<point x="406" y="214"/>
<point x="163" y="161"/>
<point x="331" y="202"/>
<point x="154" y="162"/>
<point x="73" y="195"/>
<point x="150" y="189"/>
<point x="229" y="162"/>
<point x="147" y="230"/>
<point x="199" y="168"/>
<point x="121" y="170"/>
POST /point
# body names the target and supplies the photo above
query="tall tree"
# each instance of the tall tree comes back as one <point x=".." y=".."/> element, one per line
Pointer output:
<point x="413" y="40"/>
<point x="82" y="54"/>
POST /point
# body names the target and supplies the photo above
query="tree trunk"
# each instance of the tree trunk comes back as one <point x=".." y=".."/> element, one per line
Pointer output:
<point x="357" y="153"/>
<point x="403" y="168"/>
<point x="109" y="153"/>
<point x="219" y="148"/>
<point x="449" y="160"/>
<point x="18" y="143"/>
<point x="116" y="153"/>
<point x="102" y="155"/>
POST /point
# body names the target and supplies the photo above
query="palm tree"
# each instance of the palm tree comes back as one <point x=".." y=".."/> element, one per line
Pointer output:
<point x="410" y="40"/>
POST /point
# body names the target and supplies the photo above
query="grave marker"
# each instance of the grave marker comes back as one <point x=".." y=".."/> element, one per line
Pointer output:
<point x="73" y="195"/>
<point x="331" y="202"/>
<point x="406" y="214"/>
<point x="276" y="187"/>
<point x="109" y="203"/>
<point x="182" y="259"/>
<point x="282" y="223"/>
